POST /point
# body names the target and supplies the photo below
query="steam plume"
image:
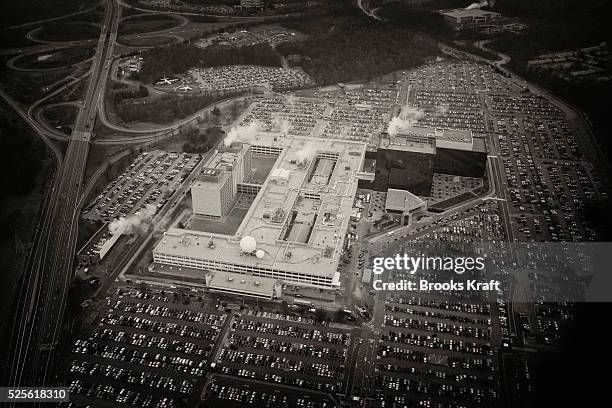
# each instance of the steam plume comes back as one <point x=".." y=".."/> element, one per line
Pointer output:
<point x="244" y="133"/>
<point x="442" y="109"/>
<point x="408" y="117"/>
<point x="481" y="4"/>
<point x="307" y="152"/>
<point x="135" y="223"/>
<point x="283" y="125"/>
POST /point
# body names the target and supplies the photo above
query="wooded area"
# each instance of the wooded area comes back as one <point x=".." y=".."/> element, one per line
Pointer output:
<point x="165" y="109"/>
<point x="24" y="154"/>
<point x="175" y="60"/>
<point x="356" y="48"/>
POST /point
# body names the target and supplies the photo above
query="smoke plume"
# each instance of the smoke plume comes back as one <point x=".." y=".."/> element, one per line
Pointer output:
<point x="307" y="152"/>
<point x="283" y="125"/>
<point x="442" y="109"/>
<point x="135" y="223"/>
<point x="408" y="117"/>
<point x="291" y="99"/>
<point x="481" y="4"/>
<point x="244" y="133"/>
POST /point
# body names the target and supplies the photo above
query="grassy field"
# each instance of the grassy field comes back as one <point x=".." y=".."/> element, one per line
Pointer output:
<point x="27" y="87"/>
<point x="147" y="41"/>
<point x="146" y="23"/>
<point x="68" y="31"/>
<point x="61" y="117"/>
<point x="57" y="59"/>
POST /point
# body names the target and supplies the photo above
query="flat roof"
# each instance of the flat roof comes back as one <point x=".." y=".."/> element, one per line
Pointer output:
<point x="216" y="182"/>
<point x="401" y="142"/>
<point x="242" y="283"/>
<point x="453" y="135"/>
<point x="329" y="204"/>
<point x="427" y="139"/>
<point x="402" y="200"/>
<point x="101" y="238"/>
<point x="226" y="156"/>
<point x="461" y="13"/>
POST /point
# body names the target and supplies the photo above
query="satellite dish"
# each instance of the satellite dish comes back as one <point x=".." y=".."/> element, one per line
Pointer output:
<point x="260" y="253"/>
<point x="248" y="244"/>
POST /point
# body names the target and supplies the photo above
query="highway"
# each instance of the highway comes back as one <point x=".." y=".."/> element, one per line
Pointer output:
<point x="43" y="290"/>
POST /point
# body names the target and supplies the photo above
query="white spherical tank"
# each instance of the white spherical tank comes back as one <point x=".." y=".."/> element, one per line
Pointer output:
<point x="260" y="253"/>
<point x="248" y="244"/>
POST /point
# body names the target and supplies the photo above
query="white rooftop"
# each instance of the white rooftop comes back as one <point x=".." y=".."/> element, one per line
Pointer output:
<point x="242" y="283"/>
<point x="298" y="197"/>
<point x="415" y="138"/>
<point x="402" y="200"/>
<point x="463" y="13"/>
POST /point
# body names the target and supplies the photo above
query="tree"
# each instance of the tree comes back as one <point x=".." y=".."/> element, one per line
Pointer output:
<point x="330" y="54"/>
<point x="320" y="315"/>
<point x="176" y="60"/>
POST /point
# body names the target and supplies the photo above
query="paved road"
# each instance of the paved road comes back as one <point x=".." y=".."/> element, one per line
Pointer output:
<point x="369" y="13"/>
<point x="585" y="133"/>
<point x="47" y="20"/>
<point x="44" y="287"/>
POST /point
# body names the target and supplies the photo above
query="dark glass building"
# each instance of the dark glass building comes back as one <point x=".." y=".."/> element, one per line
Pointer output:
<point x="404" y="170"/>
<point x="408" y="162"/>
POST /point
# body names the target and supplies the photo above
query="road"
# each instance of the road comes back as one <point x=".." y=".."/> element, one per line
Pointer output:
<point x="43" y="290"/>
<point x="369" y="13"/>
<point x="51" y="19"/>
<point x="503" y="58"/>
<point x="154" y="130"/>
<point x="584" y="128"/>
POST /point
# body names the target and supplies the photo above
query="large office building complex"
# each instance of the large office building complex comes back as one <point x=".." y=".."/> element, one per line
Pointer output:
<point x="290" y="211"/>
<point x="461" y="19"/>
<point x="294" y="231"/>
<point x="250" y="4"/>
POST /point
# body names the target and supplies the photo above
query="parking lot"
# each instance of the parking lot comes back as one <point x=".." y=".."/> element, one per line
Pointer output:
<point x="237" y="78"/>
<point x="351" y="114"/>
<point x="149" y="180"/>
<point x="280" y="349"/>
<point x="292" y="115"/>
<point x="457" y="365"/>
<point x="233" y="392"/>
<point x="150" y="349"/>
<point x="547" y="171"/>
<point x="432" y="350"/>
<point x="549" y="181"/>
<point x="169" y="348"/>
<point x="445" y="186"/>
<point x="458" y="75"/>
<point x="449" y="109"/>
